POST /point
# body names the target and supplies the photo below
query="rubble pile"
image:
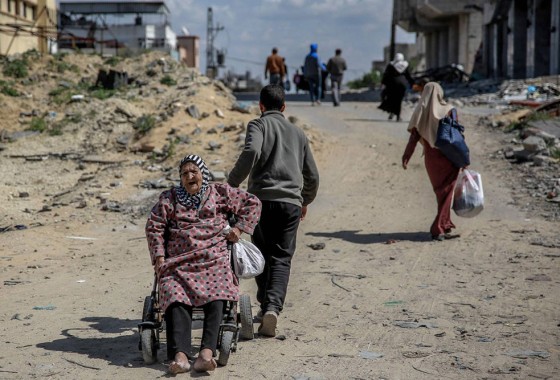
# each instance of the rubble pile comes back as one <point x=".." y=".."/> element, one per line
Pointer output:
<point x="81" y="132"/>
<point x="533" y="145"/>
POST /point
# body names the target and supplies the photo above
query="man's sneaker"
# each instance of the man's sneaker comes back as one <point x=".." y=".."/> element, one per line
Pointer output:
<point x="268" y="325"/>
<point x="258" y="318"/>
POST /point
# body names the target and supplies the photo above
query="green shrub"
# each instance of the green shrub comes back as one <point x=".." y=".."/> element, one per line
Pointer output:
<point x="144" y="124"/>
<point x="38" y="124"/>
<point x="61" y="95"/>
<point x="168" y="81"/>
<point x="59" y="66"/>
<point x="102" y="93"/>
<point x="16" y="68"/>
<point x="56" y="130"/>
<point x="368" y="80"/>
<point x="113" y="61"/>
<point x="7" y="89"/>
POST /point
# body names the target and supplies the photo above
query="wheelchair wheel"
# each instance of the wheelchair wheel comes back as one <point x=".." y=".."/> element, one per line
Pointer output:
<point x="246" y="317"/>
<point x="225" y="347"/>
<point x="148" y="310"/>
<point x="149" y="346"/>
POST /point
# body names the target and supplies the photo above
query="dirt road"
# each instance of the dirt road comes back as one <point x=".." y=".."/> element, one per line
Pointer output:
<point x="484" y="306"/>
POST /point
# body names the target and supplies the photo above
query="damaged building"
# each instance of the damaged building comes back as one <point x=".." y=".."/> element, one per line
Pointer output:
<point x="490" y="38"/>
<point x="108" y="27"/>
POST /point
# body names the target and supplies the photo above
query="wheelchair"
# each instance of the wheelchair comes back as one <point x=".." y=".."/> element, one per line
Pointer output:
<point x="236" y="324"/>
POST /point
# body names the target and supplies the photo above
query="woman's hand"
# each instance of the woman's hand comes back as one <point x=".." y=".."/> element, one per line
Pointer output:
<point x="405" y="162"/>
<point x="159" y="262"/>
<point x="233" y="235"/>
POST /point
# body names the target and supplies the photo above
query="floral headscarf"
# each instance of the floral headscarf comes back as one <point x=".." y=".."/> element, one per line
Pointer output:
<point x="183" y="196"/>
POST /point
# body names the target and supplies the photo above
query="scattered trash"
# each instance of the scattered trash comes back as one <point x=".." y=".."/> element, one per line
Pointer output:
<point x="241" y="107"/>
<point x="12" y="227"/>
<point x="81" y="281"/>
<point x="80" y="238"/>
<point x="414" y="325"/>
<point x="316" y="246"/>
<point x="370" y="355"/>
<point x="47" y="307"/>
<point x="539" y="277"/>
<point x="524" y="354"/>
<point x="415" y="354"/>
<point x="393" y="303"/>
<point x="485" y="339"/>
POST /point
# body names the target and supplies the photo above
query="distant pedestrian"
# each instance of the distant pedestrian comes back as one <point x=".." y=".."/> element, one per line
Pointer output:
<point x="275" y="67"/>
<point x="286" y="82"/>
<point x="282" y="173"/>
<point x="324" y="77"/>
<point x="336" y="67"/>
<point x="395" y="81"/>
<point x="312" y="73"/>
<point x="442" y="173"/>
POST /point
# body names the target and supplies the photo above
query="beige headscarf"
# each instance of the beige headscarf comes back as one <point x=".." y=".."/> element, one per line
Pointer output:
<point x="427" y="114"/>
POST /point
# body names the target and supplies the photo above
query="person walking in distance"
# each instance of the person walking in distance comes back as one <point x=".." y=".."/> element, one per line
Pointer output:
<point x="312" y="72"/>
<point x="395" y="81"/>
<point x="275" y="67"/>
<point x="336" y="67"/>
<point x="282" y="173"/>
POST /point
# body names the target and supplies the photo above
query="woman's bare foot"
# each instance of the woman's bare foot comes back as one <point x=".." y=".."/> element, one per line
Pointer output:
<point x="205" y="361"/>
<point x="180" y="364"/>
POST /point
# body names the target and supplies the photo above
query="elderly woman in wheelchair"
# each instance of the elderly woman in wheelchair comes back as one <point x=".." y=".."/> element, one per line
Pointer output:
<point x="188" y="249"/>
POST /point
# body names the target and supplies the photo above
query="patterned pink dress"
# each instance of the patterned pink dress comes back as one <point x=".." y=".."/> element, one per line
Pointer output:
<point x="197" y="267"/>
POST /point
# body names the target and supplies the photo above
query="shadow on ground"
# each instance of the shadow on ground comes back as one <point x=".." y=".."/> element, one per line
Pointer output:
<point x="119" y="350"/>
<point x="369" y="120"/>
<point x="355" y="236"/>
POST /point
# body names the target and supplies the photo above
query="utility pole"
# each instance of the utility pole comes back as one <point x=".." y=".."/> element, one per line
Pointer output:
<point x="211" y="32"/>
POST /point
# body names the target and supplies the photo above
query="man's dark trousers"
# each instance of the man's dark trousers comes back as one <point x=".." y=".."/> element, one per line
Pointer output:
<point x="275" y="236"/>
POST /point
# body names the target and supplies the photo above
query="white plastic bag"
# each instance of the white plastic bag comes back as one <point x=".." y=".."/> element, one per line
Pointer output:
<point x="248" y="261"/>
<point x="468" y="197"/>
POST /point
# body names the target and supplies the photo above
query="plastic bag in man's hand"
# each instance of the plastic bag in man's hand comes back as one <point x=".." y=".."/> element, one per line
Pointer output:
<point x="468" y="197"/>
<point x="248" y="261"/>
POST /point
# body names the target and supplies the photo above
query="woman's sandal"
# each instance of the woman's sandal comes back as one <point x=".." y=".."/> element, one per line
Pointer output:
<point x="202" y="365"/>
<point x="176" y="367"/>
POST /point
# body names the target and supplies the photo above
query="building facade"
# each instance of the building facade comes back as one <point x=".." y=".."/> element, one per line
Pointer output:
<point x="26" y="25"/>
<point x="108" y="27"/>
<point x="448" y="32"/>
<point x="521" y="38"/>
<point x="491" y="38"/>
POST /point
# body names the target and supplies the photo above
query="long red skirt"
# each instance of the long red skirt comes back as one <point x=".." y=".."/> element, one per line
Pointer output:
<point x="443" y="175"/>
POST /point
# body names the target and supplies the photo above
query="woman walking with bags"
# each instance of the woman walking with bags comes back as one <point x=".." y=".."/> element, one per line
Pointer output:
<point x="443" y="174"/>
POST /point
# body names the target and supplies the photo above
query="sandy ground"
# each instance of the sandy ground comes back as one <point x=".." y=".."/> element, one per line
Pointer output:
<point x="484" y="306"/>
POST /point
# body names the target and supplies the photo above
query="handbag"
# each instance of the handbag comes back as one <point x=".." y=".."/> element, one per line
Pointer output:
<point x="468" y="197"/>
<point x="451" y="142"/>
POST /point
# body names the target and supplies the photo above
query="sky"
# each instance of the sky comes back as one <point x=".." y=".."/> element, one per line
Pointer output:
<point x="251" y="28"/>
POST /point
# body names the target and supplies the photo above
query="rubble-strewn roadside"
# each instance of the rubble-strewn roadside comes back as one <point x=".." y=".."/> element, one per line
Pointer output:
<point x="528" y="113"/>
<point x="69" y="146"/>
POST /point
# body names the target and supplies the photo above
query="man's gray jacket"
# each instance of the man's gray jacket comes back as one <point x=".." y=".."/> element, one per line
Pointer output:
<point x="278" y="161"/>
